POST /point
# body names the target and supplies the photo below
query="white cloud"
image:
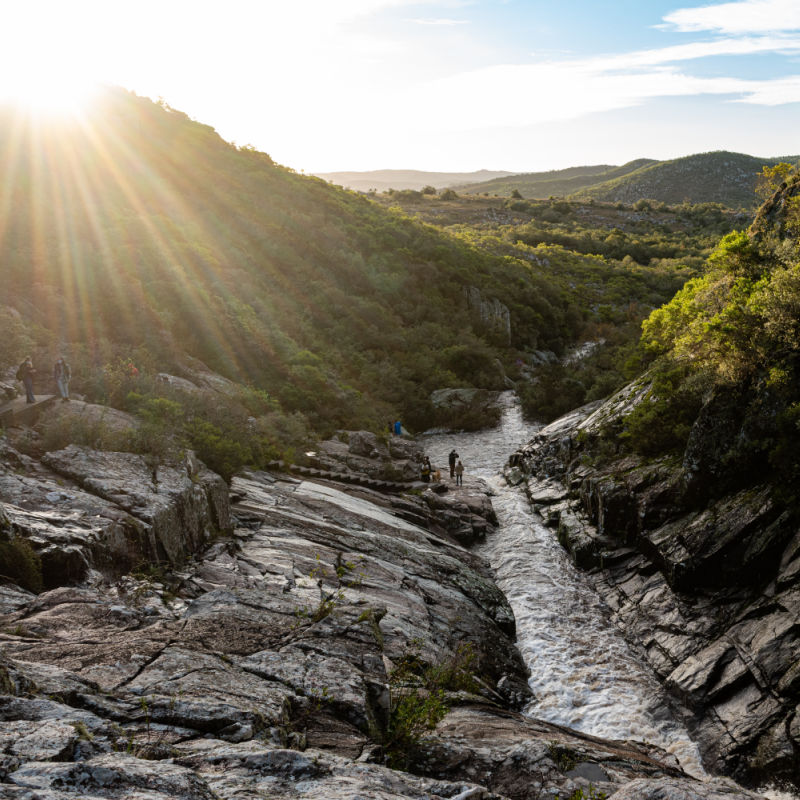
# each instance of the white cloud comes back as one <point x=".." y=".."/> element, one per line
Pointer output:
<point x="521" y="95"/>
<point x="442" y="22"/>
<point x="775" y="92"/>
<point x="686" y="52"/>
<point x="746" y="16"/>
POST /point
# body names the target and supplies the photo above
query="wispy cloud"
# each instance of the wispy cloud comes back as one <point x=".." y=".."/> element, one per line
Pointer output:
<point x="514" y="95"/>
<point x="743" y="17"/>
<point x="774" y="93"/>
<point x="444" y="22"/>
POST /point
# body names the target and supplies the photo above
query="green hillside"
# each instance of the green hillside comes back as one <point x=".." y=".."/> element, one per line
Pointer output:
<point x="726" y="364"/>
<point x="615" y="263"/>
<point x="138" y="235"/>
<point x="718" y="177"/>
<point x="555" y="183"/>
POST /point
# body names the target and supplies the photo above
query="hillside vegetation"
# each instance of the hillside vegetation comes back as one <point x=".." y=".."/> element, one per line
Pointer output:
<point x="553" y="183"/>
<point x="614" y="262"/>
<point x="717" y="177"/>
<point x="726" y="353"/>
<point x="137" y="242"/>
<point x="141" y="233"/>
<point x="137" y="237"/>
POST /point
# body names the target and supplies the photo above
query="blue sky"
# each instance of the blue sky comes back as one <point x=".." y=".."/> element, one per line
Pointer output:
<point x="522" y="85"/>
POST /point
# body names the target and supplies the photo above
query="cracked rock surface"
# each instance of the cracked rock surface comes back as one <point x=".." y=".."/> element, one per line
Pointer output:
<point x="260" y="663"/>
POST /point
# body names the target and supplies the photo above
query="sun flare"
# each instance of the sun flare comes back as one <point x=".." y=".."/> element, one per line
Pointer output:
<point x="48" y="92"/>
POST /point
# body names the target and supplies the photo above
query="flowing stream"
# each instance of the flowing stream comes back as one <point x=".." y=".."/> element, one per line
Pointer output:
<point x="583" y="672"/>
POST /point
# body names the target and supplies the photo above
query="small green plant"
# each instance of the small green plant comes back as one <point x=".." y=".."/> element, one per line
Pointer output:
<point x="562" y="757"/>
<point x="329" y="600"/>
<point x="149" y="744"/>
<point x="419" y="699"/>
<point x="21" y="564"/>
<point x="373" y="617"/>
<point x="591" y="794"/>
<point x="82" y="731"/>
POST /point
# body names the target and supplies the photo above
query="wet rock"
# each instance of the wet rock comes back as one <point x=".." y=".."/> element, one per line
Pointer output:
<point x="264" y="667"/>
<point x="710" y="592"/>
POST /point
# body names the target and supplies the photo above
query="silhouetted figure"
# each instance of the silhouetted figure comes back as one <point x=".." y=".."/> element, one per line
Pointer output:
<point x="25" y="374"/>
<point x="451" y="459"/>
<point x="459" y="473"/>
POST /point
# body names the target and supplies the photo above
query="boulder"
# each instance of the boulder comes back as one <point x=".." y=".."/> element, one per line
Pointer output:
<point x="181" y="511"/>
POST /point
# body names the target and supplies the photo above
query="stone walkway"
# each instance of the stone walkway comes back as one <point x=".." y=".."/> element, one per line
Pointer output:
<point x="20" y="412"/>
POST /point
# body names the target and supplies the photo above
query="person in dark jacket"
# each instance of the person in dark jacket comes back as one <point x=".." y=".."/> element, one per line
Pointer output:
<point x="25" y="374"/>
<point x="451" y="459"/>
<point x="62" y="373"/>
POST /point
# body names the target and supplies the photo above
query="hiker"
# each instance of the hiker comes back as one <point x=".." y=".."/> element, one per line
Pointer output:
<point x="398" y="428"/>
<point x="451" y="459"/>
<point x="459" y="473"/>
<point x="25" y="374"/>
<point x="62" y="373"/>
<point x="425" y="472"/>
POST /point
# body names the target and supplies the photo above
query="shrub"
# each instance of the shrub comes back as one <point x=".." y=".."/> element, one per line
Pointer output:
<point x="662" y="421"/>
<point x="419" y="699"/>
<point x="21" y="564"/>
<point x="16" y="341"/>
<point x="94" y="432"/>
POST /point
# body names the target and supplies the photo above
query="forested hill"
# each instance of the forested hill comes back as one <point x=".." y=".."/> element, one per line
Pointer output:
<point x="717" y="177"/>
<point x="140" y="234"/>
<point x="554" y="183"/>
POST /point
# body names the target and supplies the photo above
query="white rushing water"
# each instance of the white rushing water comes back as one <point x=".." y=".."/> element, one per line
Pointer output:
<point x="583" y="672"/>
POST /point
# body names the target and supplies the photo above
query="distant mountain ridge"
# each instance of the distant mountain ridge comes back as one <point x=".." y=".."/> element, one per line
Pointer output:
<point x="383" y="179"/>
<point x="554" y="183"/>
<point x="716" y="177"/>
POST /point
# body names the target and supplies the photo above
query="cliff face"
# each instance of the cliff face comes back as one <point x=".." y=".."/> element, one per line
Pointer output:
<point x="706" y="581"/>
<point x="296" y="639"/>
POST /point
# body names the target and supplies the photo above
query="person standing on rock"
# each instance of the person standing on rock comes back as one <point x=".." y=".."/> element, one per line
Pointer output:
<point x="459" y="473"/>
<point x="25" y="374"/>
<point x="425" y="472"/>
<point x="62" y="373"/>
<point x="451" y="459"/>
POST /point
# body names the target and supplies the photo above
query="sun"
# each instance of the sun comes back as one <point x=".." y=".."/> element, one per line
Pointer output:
<point x="50" y="92"/>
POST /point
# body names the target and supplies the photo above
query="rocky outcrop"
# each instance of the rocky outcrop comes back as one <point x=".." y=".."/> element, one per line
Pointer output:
<point x="704" y="581"/>
<point x="268" y="666"/>
<point x="493" y="314"/>
<point x="85" y="510"/>
<point x="363" y="453"/>
<point x="456" y="401"/>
